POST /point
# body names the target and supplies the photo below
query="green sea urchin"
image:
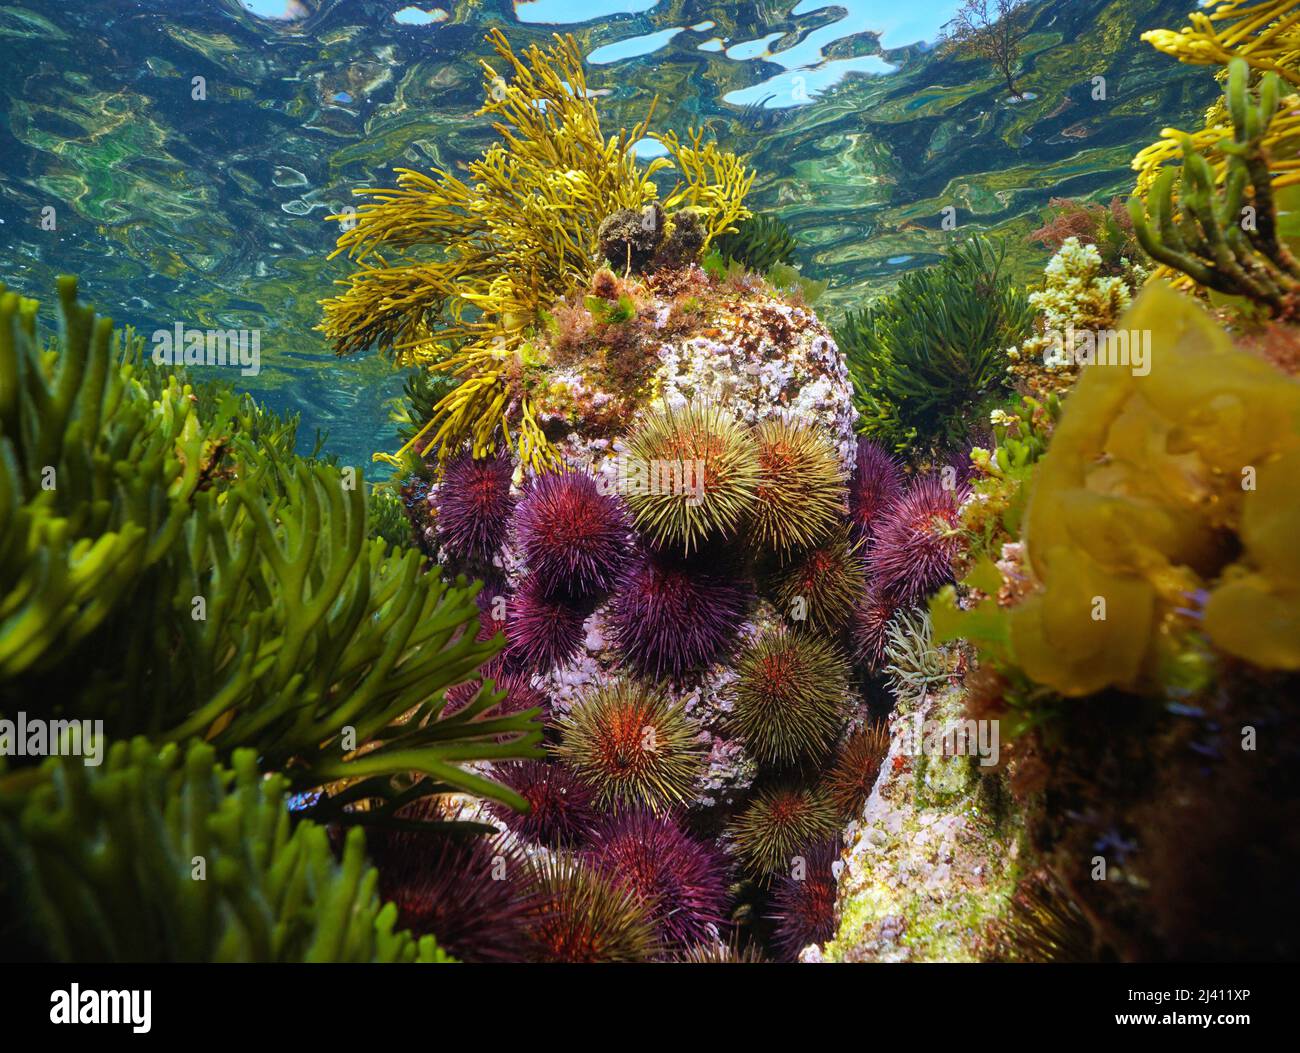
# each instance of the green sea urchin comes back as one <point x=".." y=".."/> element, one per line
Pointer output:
<point x="790" y="696"/>
<point x="801" y="491"/>
<point x="695" y="476"/>
<point x="585" y="917"/>
<point x="779" y="823"/>
<point x="820" y="587"/>
<point x="632" y="746"/>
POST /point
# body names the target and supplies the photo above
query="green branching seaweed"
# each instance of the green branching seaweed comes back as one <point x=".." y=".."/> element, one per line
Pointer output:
<point x="167" y="856"/>
<point x="927" y="358"/>
<point x="759" y="243"/>
<point x="1225" y="237"/>
<point x="177" y="576"/>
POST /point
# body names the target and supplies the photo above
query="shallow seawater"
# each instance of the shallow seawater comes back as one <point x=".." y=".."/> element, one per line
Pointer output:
<point x="210" y="212"/>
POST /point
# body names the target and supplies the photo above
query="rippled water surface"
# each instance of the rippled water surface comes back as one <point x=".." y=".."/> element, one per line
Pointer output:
<point x="211" y="213"/>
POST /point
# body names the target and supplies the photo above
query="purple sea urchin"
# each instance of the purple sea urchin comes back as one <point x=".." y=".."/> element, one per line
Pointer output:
<point x="803" y="901"/>
<point x="876" y="484"/>
<point x="790" y="696"/>
<point x="541" y="633"/>
<point x="820" y="587"/>
<point x="474" y="505"/>
<point x="670" y="616"/>
<point x="800" y="495"/>
<point x="473" y="894"/>
<point x="560" y="811"/>
<point x="681" y="882"/>
<point x="871" y="618"/>
<point x="632" y="746"/>
<point x="574" y="538"/>
<point x="917" y="541"/>
<point x="778" y="824"/>
<point x="696" y="476"/>
<point x="582" y="916"/>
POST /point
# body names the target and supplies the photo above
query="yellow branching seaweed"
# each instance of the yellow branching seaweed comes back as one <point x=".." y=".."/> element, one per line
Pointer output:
<point x="712" y="180"/>
<point x="1266" y="35"/>
<point x="453" y="274"/>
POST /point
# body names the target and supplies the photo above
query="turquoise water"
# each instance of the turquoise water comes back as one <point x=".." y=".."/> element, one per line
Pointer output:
<point x="210" y="212"/>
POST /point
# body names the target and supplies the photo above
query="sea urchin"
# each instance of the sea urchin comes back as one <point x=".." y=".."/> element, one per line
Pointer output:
<point x="474" y="506"/>
<point x="779" y="823"/>
<point x="696" y="476"/>
<point x="917" y="541"/>
<point x="541" y="632"/>
<point x="876" y="484"/>
<point x="671" y="616"/>
<point x="800" y="489"/>
<point x="584" y="917"/>
<point x="560" y="811"/>
<point x="681" y="882"/>
<point x="632" y="746"/>
<point x="790" y="696"/>
<point x="803" y="901"/>
<point x="820" y="587"/>
<point x="573" y="537"/>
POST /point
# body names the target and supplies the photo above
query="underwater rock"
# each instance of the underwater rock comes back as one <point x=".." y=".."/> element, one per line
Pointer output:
<point x="630" y="237"/>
